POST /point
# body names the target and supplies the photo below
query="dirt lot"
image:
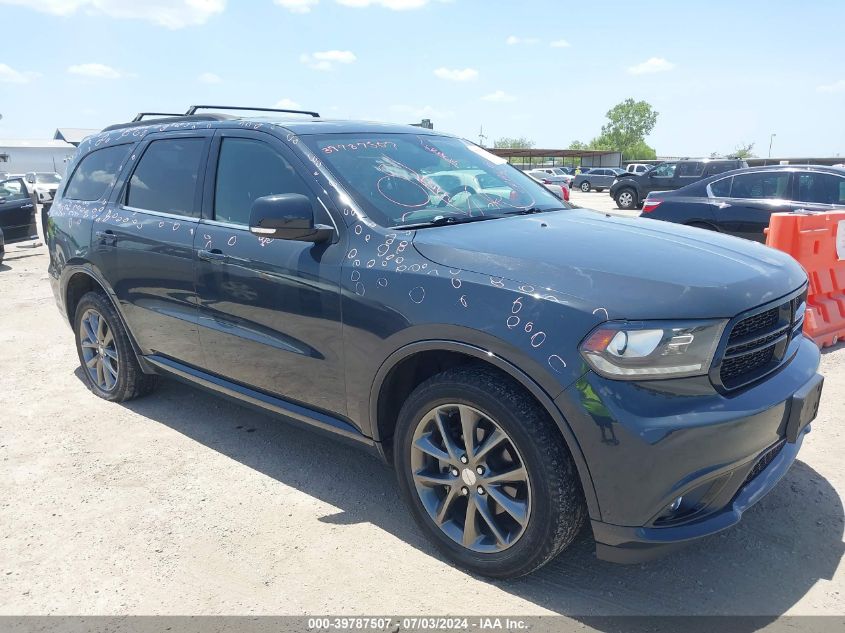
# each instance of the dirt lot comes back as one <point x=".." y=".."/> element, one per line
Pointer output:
<point x="183" y="503"/>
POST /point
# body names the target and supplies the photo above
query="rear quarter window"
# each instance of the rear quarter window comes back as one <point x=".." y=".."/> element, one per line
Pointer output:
<point x="96" y="173"/>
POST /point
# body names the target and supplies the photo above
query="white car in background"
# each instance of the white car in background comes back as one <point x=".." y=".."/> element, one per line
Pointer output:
<point x="554" y="175"/>
<point x="560" y="189"/>
<point x="638" y="168"/>
<point x="44" y="183"/>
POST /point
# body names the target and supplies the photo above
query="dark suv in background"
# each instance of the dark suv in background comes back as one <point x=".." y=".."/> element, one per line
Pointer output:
<point x="630" y="190"/>
<point x="518" y="361"/>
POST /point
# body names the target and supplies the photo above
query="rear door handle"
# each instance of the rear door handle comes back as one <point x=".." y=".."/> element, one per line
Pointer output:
<point x="214" y="255"/>
<point x="106" y="236"/>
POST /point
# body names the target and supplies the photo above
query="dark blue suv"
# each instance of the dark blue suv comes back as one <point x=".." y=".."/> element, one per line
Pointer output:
<point x="523" y="364"/>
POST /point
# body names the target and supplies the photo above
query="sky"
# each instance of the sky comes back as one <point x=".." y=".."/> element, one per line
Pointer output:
<point x="720" y="73"/>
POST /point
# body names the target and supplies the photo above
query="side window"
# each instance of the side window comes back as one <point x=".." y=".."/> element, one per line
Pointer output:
<point x="96" y="173"/>
<point x="666" y="170"/>
<point x="13" y="190"/>
<point x="821" y="188"/>
<point x="165" y="179"/>
<point x="769" y="185"/>
<point x="721" y="188"/>
<point x="690" y="170"/>
<point x="246" y="170"/>
<point x="717" y="168"/>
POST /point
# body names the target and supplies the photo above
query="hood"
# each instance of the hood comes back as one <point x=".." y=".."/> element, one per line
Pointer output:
<point x="635" y="268"/>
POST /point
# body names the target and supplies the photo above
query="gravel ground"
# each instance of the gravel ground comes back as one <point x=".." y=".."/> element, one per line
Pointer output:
<point x="184" y="503"/>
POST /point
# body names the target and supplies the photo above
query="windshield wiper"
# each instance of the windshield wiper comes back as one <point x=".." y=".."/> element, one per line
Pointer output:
<point x="443" y="220"/>
<point x="531" y="210"/>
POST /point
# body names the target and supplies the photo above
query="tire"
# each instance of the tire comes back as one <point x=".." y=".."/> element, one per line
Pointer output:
<point x="599" y="189"/>
<point x="550" y="497"/>
<point x="585" y="186"/>
<point x="626" y="198"/>
<point x="109" y="366"/>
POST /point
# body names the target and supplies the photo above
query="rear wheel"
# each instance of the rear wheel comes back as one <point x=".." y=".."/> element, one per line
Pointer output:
<point x="109" y="365"/>
<point x="486" y="473"/>
<point x="626" y="199"/>
<point x="599" y="189"/>
<point x="585" y="186"/>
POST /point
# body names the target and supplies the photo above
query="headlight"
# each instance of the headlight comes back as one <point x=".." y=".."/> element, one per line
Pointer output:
<point x="628" y="350"/>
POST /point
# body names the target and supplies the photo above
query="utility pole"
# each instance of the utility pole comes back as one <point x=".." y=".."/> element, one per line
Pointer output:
<point x="481" y="136"/>
<point x="771" y="138"/>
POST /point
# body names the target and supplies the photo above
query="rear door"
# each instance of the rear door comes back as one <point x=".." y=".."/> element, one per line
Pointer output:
<point x="270" y="308"/>
<point x="144" y="243"/>
<point x="17" y="211"/>
<point x="752" y="199"/>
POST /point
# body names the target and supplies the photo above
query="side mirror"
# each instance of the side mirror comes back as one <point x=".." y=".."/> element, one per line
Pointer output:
<point x="288" y="216"/>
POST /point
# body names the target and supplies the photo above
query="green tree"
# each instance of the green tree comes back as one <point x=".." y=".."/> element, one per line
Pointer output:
<point x="628" y="123"/>
<point x="578" y="145"/>
<point x="743" y="150"/>
<point x="513" y="143"/>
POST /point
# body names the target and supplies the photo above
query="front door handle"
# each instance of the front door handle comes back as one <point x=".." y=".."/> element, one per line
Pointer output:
<point x="214" y="255"/>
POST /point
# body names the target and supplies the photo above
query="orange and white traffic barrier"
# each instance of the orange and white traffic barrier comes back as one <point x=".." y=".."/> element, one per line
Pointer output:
<point x="817" y="241"/>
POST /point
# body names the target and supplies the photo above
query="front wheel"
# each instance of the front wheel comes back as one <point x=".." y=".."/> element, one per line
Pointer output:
<point x="486" y="473"/>
<point x="585" y="187"/>
<point x="626" y="199"/>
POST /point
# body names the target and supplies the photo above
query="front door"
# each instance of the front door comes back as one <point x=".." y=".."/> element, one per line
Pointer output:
<point x="661" y="178"/>
<point x="270" y="308"/>
<point x="819" y="191"/>
<point x="16" y="210"/>
<point x="144" y="243"/>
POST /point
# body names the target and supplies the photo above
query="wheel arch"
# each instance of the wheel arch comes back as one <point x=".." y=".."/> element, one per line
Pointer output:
<point x="403" y="370"/>
<point x="77" y="280"/>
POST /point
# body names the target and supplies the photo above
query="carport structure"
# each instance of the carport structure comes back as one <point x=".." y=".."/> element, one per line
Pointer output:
<point x="528" y="158"/>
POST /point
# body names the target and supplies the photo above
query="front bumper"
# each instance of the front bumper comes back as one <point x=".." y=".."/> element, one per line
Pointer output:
<point x="648" y="443"/>
<point x="629" y="545"/>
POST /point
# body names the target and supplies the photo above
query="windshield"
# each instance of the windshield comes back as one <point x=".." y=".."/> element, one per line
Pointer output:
<point x="47" y="179"/>
<point x="403" y="179"/>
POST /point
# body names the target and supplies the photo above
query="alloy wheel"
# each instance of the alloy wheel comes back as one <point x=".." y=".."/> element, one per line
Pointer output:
<point x="470" y="478"/>
<point x="585" y="187"/>
<point x="99" y="350"/>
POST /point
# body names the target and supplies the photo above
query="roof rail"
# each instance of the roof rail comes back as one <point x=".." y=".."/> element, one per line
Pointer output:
<point x="140" y="116"/>
<point x="179" y="118"/>
<point x="193" y="109"/>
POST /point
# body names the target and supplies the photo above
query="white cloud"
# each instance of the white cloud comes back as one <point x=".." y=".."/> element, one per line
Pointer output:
<point x="425" y="112"/>
<point x="173" y="14"/>
<point x="287" y="104"/>
<point x="326" y="60"/>
<point x="395" y="5"/>
<point x="456" y="74"/>
<point x="836" y="86"/>
<point x="513" y="40"/>
<point x="560" y="44"/>
<point x="209" y="78"/>
<point x="97" y="71"/>
<point x="651" y="65"/>
<point x="11" y="76"/>
<point x="297" y="6"/>
<point x="500" y="96"/>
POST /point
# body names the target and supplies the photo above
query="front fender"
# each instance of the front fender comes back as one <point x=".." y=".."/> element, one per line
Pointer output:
<point x="491" y="350"/>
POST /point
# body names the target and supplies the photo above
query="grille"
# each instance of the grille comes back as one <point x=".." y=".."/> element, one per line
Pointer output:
<point x="767" y="458"/>
<point x="757" y="344"/>
<point x="752" y="325"/>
